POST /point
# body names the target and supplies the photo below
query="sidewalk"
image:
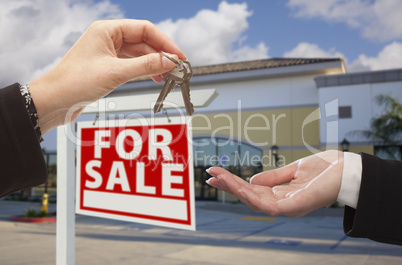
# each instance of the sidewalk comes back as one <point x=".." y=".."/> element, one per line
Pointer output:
<point x="226" y="234"/>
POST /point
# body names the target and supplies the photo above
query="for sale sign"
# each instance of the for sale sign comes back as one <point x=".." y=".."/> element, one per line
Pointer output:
<point x="138" y="170"/>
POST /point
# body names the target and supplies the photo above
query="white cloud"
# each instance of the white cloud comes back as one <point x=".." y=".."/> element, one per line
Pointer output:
<point x="210" y="36"/>
<point x="388" y="58"/>
<point x="377" y="20"/>
<point x="247" y="53"/>
<point x="35" y="34"/>
<point x="311" y="50"/>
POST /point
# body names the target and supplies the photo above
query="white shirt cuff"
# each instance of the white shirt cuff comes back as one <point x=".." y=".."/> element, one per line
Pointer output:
<point x="351" y="179"/>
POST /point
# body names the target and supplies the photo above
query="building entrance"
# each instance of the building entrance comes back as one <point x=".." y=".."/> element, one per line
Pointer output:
<point x="238" y="158"/>
<point x="202" y="190"/>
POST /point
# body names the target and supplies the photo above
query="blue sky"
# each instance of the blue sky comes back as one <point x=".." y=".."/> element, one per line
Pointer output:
<point x="35" y="34"/>
<point x="272" y="22"/>
<point x="332" y="28"/>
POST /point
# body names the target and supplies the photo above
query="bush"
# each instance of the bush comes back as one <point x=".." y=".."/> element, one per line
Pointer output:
<point x="32" y="213"/>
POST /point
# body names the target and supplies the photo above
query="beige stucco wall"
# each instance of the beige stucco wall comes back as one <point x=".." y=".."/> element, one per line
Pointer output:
<point x="283" y="127"/>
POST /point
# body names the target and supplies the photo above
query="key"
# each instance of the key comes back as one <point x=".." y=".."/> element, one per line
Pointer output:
<point x="185" y="88"/>
<point x="180" y="75"/>
<point x="167" y="87"/>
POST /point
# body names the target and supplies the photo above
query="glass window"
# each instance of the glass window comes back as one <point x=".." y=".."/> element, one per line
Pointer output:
<point x="345" y="112"/>
<point x="388" y="152"/>
<point x="250" y="156"/>
<point x="228" y="153"/>
<point x="251" y="163"/>
<point x="204" y="153"/>
<point x="239" y="158"/>
<point x="50" y="186"/>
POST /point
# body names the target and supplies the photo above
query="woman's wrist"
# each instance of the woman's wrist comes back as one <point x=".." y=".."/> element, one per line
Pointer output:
<point x="51" y="113"/>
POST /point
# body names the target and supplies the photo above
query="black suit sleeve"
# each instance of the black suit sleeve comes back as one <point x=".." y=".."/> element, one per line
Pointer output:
<point x="22" y="163"/>
<point x="378" y="215"/>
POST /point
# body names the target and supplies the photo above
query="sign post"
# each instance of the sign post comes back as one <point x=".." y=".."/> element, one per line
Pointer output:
<point x="65" y="227"/>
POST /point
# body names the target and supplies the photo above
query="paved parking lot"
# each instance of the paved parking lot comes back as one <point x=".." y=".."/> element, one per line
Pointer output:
<point x="226" y="234"/>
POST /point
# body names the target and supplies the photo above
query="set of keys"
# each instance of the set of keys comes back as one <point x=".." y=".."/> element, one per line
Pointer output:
<point x="178" y="76"/>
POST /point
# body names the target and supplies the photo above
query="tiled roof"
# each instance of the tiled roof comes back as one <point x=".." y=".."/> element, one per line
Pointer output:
<point x="252" y="65"/>
<point x="258" y="64"/>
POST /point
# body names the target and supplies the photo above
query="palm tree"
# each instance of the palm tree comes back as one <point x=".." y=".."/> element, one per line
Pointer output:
<point x="386" y="130"/>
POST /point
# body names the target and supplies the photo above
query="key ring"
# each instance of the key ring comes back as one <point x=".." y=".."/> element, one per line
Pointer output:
<point x="169" y="57"/>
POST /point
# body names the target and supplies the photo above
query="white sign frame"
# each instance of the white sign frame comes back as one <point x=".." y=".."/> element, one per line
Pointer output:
<point x="173" y="209"/>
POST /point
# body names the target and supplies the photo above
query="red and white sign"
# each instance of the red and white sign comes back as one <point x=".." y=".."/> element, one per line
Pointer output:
<point x="138" y="170"/>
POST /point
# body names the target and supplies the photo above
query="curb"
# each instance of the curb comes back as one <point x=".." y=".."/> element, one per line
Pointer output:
<point x="33" y="219"/>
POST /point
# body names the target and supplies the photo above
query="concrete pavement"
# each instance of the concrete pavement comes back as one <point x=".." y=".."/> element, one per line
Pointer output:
<point x="226" y="234"/>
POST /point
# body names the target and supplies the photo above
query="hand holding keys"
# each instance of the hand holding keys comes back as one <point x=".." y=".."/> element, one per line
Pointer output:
<point x="180" y="75"/>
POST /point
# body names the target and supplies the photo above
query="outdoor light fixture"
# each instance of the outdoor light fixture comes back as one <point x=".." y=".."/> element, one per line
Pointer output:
<point x="274" y="150"/>
<point x="345" y="145"/>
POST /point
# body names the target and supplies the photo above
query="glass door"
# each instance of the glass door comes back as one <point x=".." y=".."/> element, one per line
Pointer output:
<point x="202" y="190"/>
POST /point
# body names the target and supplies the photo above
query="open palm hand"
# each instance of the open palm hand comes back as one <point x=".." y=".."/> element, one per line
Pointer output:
<point x="294" y="190"/>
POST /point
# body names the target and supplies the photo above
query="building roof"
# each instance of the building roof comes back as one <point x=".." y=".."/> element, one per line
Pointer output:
<point x="382" y="76"/>
<point x="254" y="65"/>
